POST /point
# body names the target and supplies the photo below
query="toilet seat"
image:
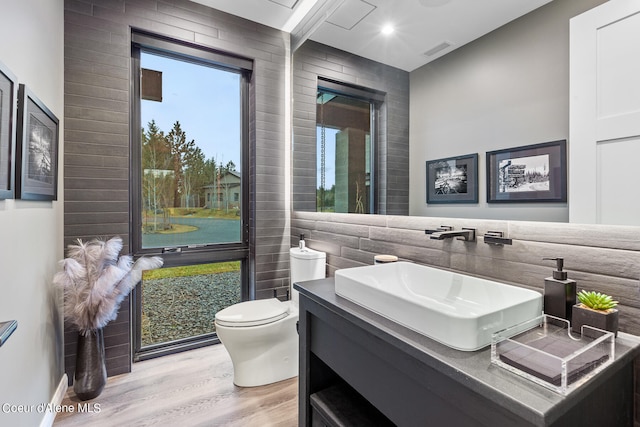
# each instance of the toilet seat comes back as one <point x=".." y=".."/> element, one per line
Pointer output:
<point x="252" y="313"/>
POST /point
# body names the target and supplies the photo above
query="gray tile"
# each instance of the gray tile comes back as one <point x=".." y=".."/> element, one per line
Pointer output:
<point x="88" y="90"/>
<point x="96" y="103"/>
<point x="71" y="172"/>
<point x="343" y="229"/>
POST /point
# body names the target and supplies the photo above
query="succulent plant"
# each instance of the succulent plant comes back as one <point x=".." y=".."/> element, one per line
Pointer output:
<point x="596" y="300"/>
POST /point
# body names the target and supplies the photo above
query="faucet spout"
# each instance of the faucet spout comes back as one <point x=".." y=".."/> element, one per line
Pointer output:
<point x="466" y="234"/>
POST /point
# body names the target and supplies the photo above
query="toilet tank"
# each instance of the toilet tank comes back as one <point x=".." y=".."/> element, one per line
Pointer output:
<point x="306" y="264"/>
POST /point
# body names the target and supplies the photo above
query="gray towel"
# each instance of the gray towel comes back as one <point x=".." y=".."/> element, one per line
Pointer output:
<point x="533" y="363"/>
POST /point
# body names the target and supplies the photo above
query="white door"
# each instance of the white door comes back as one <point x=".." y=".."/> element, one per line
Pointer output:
<point x="604" y="134"/>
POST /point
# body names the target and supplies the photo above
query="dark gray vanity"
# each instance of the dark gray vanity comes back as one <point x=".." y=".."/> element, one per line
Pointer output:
<point x="359" y="366"/>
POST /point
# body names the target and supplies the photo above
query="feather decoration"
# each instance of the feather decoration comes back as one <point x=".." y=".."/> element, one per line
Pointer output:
<point x="96" y="280"/>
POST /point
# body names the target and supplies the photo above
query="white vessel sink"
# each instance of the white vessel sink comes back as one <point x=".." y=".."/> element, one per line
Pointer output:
<point x="457" y="310"/>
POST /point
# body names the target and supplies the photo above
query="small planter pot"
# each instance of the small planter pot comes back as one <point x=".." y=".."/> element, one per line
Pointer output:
<point x="583" y="315"/>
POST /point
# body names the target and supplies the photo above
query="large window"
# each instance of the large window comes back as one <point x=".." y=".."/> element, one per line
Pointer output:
<point x="191" y="150"/>
<point x="190" y="192"/>
<point x="345" y="134"/>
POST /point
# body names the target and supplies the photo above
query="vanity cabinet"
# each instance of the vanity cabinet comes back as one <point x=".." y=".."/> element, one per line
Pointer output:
<point x="355" y="363"/>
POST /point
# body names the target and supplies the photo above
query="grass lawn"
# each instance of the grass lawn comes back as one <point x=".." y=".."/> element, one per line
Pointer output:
<point x="191" y="270"/>
<point x="231" y="213"/>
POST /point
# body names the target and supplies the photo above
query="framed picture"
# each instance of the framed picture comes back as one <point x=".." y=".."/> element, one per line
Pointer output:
<point x="453" y="180"/>
<point x="533" y="173"/>
<point x="37" y="149"/>
<point x="8" y="99"/>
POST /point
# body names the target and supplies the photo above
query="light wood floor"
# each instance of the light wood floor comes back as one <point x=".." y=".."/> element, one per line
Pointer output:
<point x="194" y="388"/>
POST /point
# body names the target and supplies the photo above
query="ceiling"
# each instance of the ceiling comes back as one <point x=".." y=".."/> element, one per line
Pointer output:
<point x="424" y="29"/>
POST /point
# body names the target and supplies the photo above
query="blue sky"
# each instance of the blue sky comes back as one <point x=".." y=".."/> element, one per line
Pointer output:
<point x="206" y="102"/>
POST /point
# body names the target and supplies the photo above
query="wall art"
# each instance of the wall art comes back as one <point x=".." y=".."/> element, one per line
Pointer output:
<point x="8" y="100"/>
<point x="37" y="149"/>
<point x="453" y="180"/>
<point x="532" y="173"/>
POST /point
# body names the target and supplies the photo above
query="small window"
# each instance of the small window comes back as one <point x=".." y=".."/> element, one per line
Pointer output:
<point x="345" y="132"/>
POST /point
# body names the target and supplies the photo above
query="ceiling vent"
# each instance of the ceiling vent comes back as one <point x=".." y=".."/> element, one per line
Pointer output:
<point x="438" y="48"/>
<point x="350" y="13"/>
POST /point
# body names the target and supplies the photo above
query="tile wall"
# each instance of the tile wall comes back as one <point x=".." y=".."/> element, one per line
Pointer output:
<point x="97" y="116"/>
<point x="600" y="258"/>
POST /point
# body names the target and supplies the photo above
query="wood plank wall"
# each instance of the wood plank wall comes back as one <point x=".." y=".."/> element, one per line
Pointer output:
<point x="601" y="258"/>
<point x="97" y="108"/>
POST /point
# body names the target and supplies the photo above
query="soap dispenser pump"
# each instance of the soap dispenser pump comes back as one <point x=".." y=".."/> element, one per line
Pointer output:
<point x="559" y="292"/>
<point x="301" y="243"/>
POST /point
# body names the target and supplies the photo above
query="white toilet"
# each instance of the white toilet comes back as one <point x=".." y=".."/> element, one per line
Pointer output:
<point x="261" y="335"/>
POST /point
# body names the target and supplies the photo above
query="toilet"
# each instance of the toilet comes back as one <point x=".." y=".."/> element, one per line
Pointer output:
<point x="261" y="335"/>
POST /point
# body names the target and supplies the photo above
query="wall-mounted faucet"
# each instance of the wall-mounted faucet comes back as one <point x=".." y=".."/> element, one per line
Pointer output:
<point x="439" y="229"/>
<point x="466" y="234"/>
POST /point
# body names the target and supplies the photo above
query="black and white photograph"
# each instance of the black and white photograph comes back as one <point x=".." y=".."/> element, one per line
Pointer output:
<point x="532" y="173"/>
<point x="524" y="174"/>
<point x="453" y="180"/>
<point x="8" y="93"/>
<point x="37" y="151"/>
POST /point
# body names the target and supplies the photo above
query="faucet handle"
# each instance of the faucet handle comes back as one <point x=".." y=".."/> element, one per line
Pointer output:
<point x="439" y="229"/>
<point x="497" y="238"/>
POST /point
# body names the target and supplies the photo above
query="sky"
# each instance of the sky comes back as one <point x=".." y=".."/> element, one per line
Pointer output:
<point x="206" y="102"/>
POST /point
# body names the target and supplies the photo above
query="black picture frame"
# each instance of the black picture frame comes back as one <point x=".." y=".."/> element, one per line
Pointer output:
<point x="37" y="149"/>
<point x="453" y="180"/>
<point x="528" y="174"/>
<point x="8" y="101"/>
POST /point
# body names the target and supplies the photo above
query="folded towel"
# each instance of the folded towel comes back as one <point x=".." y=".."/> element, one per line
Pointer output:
<point x="541" y="366"/>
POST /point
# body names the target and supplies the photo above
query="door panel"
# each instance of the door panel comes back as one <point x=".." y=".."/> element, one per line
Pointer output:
<point x="605" y="114"/>
<point x="616" y="177"/>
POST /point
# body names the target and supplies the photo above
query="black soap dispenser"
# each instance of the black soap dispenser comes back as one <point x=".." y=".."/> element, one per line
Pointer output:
<point x="559" y="292"/>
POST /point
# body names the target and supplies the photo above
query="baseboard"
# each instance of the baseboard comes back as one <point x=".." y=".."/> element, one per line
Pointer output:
<point x="56" y="400"/>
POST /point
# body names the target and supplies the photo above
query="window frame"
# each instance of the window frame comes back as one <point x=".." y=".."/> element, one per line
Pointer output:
<point x="185" y="255"/>
<point x="184" y="51"/>
<point x="375" y="98"/>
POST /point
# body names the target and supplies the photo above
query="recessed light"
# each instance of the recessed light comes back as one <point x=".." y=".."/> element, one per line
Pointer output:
<point x="388" y="29"/>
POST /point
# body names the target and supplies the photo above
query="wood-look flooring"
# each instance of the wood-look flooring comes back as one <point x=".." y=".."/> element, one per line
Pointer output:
<point x="194" y="388"/>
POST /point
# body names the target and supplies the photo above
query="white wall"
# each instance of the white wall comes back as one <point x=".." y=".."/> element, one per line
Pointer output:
<point x="507" y="89"/>
<point x="31" y="361"/>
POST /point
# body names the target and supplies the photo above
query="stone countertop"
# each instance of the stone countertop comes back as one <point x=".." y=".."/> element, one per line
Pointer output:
<point x="533" y="402"/>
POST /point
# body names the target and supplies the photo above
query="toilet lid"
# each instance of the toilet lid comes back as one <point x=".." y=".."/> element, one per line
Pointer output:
<point x="252" y="313"/>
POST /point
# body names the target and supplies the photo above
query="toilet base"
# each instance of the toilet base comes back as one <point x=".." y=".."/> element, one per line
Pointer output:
<point x="262" y="354"/>
<point x="276" y="364"/>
